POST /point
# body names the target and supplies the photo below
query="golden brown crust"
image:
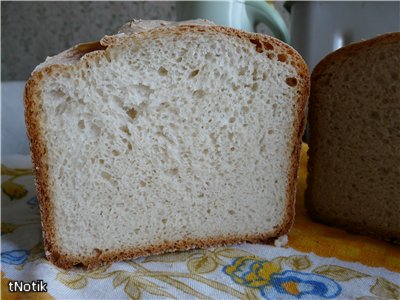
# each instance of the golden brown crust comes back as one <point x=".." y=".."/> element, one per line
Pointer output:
<point x="32" y="103"/>
<point x="318" y="71"/>
<point x="66" y="261"/>
<point x="38" y="148"/>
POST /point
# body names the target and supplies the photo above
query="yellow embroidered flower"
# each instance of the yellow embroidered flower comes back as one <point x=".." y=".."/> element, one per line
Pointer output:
<point x="13" y="190"/>
<point x="251" y="272"/>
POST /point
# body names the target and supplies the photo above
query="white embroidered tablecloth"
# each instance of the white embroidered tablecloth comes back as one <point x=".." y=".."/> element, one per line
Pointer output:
<point x="319" y="262"/>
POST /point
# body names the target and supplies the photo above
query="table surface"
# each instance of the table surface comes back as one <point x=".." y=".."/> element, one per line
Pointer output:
<point x="319" y="262"/>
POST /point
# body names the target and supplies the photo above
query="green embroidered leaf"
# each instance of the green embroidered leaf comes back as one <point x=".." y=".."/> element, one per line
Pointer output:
<point x="386" y="289"/>
<point x="169" y="257"/>
<point x="5" y="170"/>
<point x="13" y="190"/>
<point x="218" y="260"/>
<point x="14" y="172"/>
<point x="201" y="265"/>
<point x="182" y="287"/>
<point x="99" y="273"/>
<point x="339" y="273"/>
<point x="298" y="262"/>
<point x="140" y="281"/>
<point x="72" y="280"/>
<point x="121" y="277"/>
<point x="132" y="290"/>
<point x="232" y="252"/>
<point x="151" y="287"/>
<point x="250" y="294"/>
<point x="8" y="227"/>
<point x="279" y="260"/>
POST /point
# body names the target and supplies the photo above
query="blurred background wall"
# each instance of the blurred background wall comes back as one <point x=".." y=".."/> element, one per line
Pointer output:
<point x="31" y="31"/>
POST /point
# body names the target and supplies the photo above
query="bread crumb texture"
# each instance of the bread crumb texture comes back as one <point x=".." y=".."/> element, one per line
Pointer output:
<point x="181" y="136"/>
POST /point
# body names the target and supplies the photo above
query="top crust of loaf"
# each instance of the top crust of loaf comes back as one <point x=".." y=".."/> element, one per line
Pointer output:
<point x="351" y="49"/>
<point x="322" y="68"/>
<point x="83" y="53"/>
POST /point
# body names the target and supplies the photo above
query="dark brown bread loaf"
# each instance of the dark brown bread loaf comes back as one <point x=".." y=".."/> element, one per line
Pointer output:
<point x="354" y="166"/>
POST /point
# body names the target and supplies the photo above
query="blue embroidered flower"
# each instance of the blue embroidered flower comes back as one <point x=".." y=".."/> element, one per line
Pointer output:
<point x="296" y="285"/>
<point x="33" y="201"/>
<point x="14" y="257"/>
<point x="273" y="283"/>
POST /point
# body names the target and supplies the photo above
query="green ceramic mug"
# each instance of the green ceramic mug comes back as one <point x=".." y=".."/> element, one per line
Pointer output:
<point x="240" y="14"/>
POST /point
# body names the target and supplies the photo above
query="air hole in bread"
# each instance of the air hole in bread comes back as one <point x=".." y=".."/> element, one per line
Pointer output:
<point x="282" y="57"/>
<point x="126" y="130"/>
<point x="60" y="109"/>
<point x="245" y="109"/>
<point x="394" y="76"/>
<point x="81" y="124"/>
<point x="291" y="81"/>
<point x="162" y="71"/>
<point x="268" y="46"/>
<point x="254" y="74"/>
<point x="106" y="175"/>
<point x="254" y="87"/>
<point x="375" y="115"/>
<point x="208" y="56"/>
<point x="199" y="93"/>
<point x="131" y="112"/>
<point x="270" y="55"/>
<point x="174" y="171"/>
<point x="194" y="73"/>
<point x="83" y="49"/>
<point x="259" y="47"/>
<point x="232" y="120"/>
<point x="242" y="71"/>
<point x="274" y="106"/>
<point x="142" y="183"/>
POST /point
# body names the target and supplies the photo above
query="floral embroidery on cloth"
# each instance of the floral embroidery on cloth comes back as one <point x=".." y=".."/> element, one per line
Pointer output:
<point x="268" y="278"/>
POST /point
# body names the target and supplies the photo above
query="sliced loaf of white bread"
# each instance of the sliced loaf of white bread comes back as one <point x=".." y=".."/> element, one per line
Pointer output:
<point x="165" y="137"/>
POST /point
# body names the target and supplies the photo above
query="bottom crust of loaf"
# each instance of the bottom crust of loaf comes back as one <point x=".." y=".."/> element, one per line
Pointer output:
<point x="66" y="261"/>
<point x="352" y="227"/>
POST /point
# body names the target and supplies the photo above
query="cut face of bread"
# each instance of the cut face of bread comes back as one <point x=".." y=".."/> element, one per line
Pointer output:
<point x="354" y="166"/>
<point x="168" y="139"/>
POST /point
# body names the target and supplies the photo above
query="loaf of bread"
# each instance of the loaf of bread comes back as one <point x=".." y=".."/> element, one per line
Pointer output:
<point x="354" y="165"/>
<point x="165" y="137"/>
